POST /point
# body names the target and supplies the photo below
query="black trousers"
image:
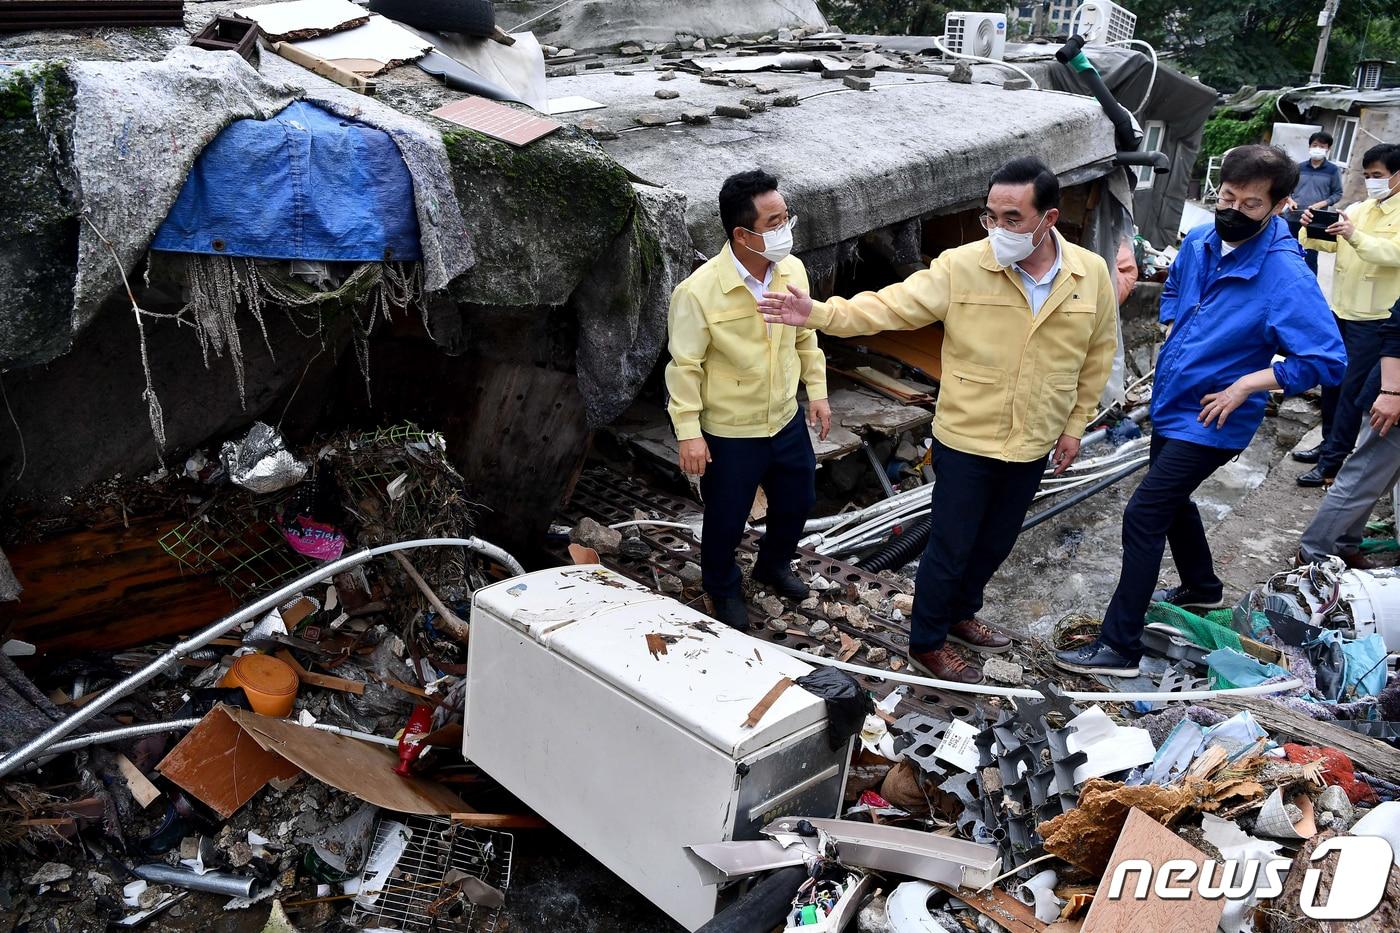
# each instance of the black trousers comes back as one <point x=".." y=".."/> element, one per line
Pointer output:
<point x="1341" y="419"/>
<point x="1161" y="510"/>
<point x="979" y="504"/>
<point x="785" y="466"/>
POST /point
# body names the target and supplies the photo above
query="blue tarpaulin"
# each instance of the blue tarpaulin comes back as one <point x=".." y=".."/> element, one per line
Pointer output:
<point x="305" y="184"/>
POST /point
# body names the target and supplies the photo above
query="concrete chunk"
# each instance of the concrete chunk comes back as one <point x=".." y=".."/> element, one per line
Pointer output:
<point x="695" y="117"/>
<point x="667" y="94"/>
<point x="738" y="112"/>
<point x="653" y="119"/>
<point x="787" y="100"/>
<point x="754" y="104"/>
<point x="857" y="84"/>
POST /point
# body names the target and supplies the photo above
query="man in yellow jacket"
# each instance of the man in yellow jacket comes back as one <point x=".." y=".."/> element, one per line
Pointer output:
<point x="1031" y="329"/>
<point x="733" y="386"/>
<point x="1365" y="286"/>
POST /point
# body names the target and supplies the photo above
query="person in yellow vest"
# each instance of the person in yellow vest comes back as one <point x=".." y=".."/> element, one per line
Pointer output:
<point x="1365" y="286"/>
<point x="1031" y="329"/>
<point x="733" y="383"/>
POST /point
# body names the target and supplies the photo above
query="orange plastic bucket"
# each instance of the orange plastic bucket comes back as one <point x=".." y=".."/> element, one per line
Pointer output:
<point x="270" y="684"/>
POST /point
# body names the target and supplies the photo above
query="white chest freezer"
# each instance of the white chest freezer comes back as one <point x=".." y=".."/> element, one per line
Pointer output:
<point x="618" y="715"/>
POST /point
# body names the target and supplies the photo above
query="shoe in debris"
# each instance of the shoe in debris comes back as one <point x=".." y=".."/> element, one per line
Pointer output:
<point x="977" y="635"/>
<point x="1188" y="597"/>
<point x="731" y="611"/>
<point x="1352" y="556"/>
<point x="1311" y="455"/>
<point x="1315" y="478"/>
<point x="783" y="582"/>
<point x="945" y="664"/>
<point x="1096" y="658"/>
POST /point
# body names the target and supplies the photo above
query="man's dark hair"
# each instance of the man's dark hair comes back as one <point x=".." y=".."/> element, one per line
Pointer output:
<point x="1320" y="137"/>
<point x="1028" y="170"/>
<point x="736" y="207"/>
<point x="1245" y="164"/>
<point x="1385" y="154"/>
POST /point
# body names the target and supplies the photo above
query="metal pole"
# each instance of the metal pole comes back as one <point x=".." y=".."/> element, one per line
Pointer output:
<point x="1324" y="19"/>
<point x="35" y="746"/>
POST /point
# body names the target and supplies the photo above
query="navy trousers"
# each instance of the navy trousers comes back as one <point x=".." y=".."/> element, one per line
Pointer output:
<point x="785" y="466"/>
<point x="1348" y="408"/>
<point x="979" y="504"/>
<point x="1161" y="510"/>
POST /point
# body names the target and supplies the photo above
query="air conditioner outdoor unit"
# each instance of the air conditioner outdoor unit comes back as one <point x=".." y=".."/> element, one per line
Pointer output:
<point x="1103" y="23"/>
<point x="979" y="34"/>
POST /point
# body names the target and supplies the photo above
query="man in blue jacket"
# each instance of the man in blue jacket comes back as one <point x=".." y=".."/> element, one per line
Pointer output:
<point x="1238" y="294"/>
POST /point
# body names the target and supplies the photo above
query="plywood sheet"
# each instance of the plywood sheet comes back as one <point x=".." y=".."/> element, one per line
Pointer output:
<point x="1145" y="838"/>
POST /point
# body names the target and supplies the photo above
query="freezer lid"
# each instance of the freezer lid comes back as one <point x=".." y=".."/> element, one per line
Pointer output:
<point x="699" y="673"/>
<point x="538" y="603"/>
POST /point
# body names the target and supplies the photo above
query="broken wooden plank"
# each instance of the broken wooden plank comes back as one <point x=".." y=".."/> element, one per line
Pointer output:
<point x="1368" y="754"/>
<point x="320" y="680"/>
<point x="999" y="907"/>
<point x="767" y="702"/>
<point x="142" y="790"/>
<point x="500" y="820"/>
<point x="326" y="69"/>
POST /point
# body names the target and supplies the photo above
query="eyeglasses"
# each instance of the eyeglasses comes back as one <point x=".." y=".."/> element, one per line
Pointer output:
<point x="989" y="223"/>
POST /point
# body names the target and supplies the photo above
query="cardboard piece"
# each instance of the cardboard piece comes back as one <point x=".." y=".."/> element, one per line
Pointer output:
<point x="358" y="768"/>
<point x="232" y="754"/>
<point x="377" y="46"/>
<point x="1145" y="838"/>
<point x="299" y="19"/>
<point x="221" y="766"/>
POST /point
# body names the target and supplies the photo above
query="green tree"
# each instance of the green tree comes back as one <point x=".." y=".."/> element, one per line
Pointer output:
<point x="1230" y="43"/>
<point x="898" y="17"/>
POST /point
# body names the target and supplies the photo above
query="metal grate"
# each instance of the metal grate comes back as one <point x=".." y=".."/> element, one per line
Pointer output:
<point x="414" y="895"/>
<point x="245" y="550"/>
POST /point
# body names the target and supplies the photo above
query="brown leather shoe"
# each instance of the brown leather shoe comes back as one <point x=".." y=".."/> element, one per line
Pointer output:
<point x="1351" y="556"/>
<point x="979" y="637"/>
<point x="946" y="664"/>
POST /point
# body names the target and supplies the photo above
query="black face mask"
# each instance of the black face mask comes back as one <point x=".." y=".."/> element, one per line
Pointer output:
<point x="1236" y="226"/>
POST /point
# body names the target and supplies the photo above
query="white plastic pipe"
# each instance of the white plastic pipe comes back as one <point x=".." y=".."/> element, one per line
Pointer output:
<point x="1109" y="696"/>
<point x="50" y="736"/>
<point x="155" y="728"/>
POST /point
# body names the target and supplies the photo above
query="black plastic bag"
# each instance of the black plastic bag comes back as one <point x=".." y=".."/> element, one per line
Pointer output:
<point x="847" y="704"/>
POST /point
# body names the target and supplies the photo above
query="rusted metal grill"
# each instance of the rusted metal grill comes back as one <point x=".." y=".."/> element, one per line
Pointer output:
<point x="415" y="894"/>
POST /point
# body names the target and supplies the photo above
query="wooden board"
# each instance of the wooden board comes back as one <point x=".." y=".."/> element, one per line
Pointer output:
<point x="1370" y="755"/>
<point x="100" y="590"/>
<point x="854" y="411"/>
<point x="221" y="765"/>
<point x="921" y="349"/>
<point x="1144" y="838"/>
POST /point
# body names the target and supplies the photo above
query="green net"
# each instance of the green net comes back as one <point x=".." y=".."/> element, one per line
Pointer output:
<point x="1210" y="632"/>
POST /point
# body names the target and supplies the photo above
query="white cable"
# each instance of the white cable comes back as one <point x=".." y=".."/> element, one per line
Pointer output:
<point x="1086" y="696"/>
<point x="938" y="43"/>
<point x="649" y="523"/>
<point x="1152" y="81"/>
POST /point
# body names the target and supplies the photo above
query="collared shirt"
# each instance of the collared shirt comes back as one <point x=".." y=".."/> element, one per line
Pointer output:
<point x="1366" y="281"/>
<point x="1012" y="382"/>
<point x="731" y="375"/>
<point x="755" y="286"/>
<point x="1039" y="291"/>
<point x="1318" y="183"/>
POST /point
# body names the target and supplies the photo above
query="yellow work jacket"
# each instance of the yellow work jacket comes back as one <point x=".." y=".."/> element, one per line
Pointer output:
<point x="1367" y="278"/>
<point x="1013" y="382"/>
<point x="731" y="374"/>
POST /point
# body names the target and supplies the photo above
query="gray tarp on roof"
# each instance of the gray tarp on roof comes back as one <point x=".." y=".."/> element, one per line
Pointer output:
<point x="595" y="24"/>
<point x="1182" y="103"/>
<point x="1343" y="99"/>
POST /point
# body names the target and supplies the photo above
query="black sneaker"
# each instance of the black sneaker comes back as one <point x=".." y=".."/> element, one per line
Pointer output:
<point x="1188" y="598"/>
<point x="1097" y="658"/>
<point x="732" y="611"/>
<point x="1315" y="478"/>
<point x="1311" y="455"/>
<point x="782" y="581"/>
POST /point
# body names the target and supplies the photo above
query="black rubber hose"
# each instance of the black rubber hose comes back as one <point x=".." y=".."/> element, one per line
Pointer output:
<point x="900" y="550"/>
<point x="1080" y="496"/>
<point x="763" y="907"/>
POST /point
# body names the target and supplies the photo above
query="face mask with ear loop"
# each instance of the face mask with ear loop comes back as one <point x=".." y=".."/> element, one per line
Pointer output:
<point x="777" y="244"/>
<point x="1379" y="188"/>
<point x="1010" y="248"/>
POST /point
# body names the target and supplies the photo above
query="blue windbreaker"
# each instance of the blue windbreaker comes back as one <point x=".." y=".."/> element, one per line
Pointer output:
<point x="1230" y="317"/>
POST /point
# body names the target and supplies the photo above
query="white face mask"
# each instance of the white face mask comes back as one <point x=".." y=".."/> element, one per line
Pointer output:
<point x="1378" y="187"/>
<point x="1010" y="248"/>
<point x="777" y="244"/>
<point x="1317" y="153"/>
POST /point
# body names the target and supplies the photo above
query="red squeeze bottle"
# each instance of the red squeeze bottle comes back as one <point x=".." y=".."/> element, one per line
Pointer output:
<point x="418" y="725"/>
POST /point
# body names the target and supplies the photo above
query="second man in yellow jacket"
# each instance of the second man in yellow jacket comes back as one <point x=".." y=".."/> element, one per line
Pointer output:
<point x="1031" y="329"/>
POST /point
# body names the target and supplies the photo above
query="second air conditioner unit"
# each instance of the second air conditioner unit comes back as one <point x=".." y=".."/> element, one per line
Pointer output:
<point x="979" y="34"/>
<point x="1104" y="23"/>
